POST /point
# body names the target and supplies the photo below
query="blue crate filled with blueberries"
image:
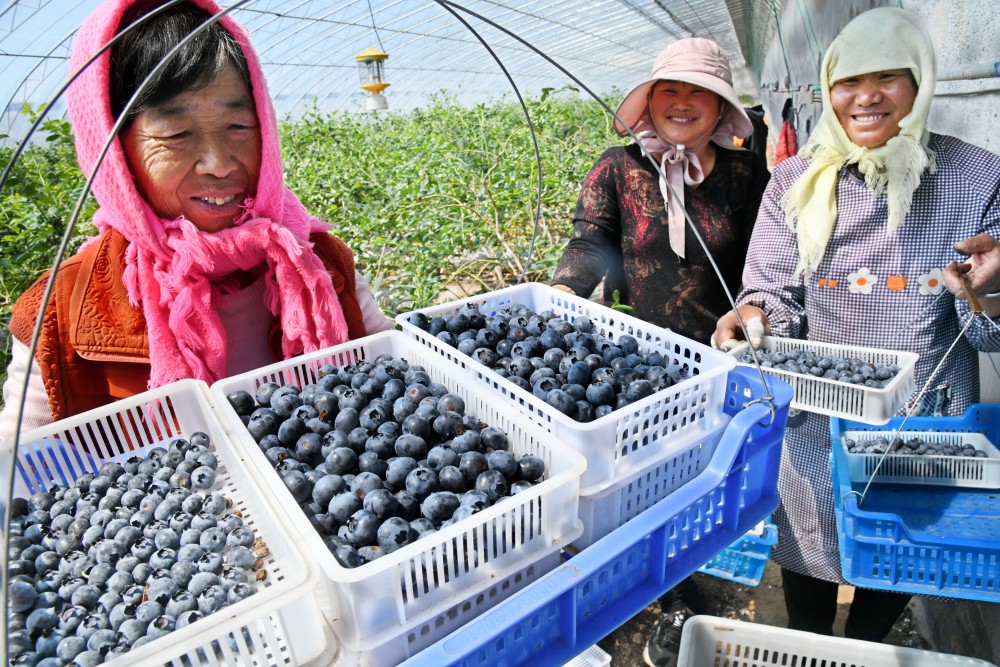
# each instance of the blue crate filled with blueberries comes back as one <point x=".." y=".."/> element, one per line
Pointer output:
<point x="918" y="536"/>
<point x="611" y="580"/>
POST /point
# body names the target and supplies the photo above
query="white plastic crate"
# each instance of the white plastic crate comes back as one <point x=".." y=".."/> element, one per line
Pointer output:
<point x="592" y="656"/>
<point x="939" y="470"/>
<point x="624" y="441"/>
<point x="374" y="605"/>
<point x="709" y="640"/>
<point x="418" y="636"/>
<point x="280" y="624"/>
<point x="872" y="405"/>
<point x="610" y="508"/>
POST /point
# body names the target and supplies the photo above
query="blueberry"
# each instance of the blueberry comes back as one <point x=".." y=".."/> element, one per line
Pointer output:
<point x="347" y="556"/>
<point x="264" y="393"/>
<point x="102" y="640"/>
<point x="421" y="482"/>
<point x="188" y="617"/>
<point x="41" y="619"/>
<point x="417" y="425"/>
<point x="241" y="401"/>
<point x="297" y="485"/>
<point x="519" y="486"/>
<point x="180" y="602"/>
<point x="202" y="477"/>
<point x="344" y="505"/>
<point x="362" y="528"/>
<point x="365" y="482"/>
<point x="638" y="390"/>
<point x="342" y="460"/>
<point x="452" y="479"/>
<point x="493" y="484"/>
<point x="394" y="533"/>
<point x="600" y="393"/>
<point x="382" y="503"/>
<point x="530" y="468"/>
<point x="439" y="506"/>
<point x="238" y="592"/>
<point x="262" y="425"/>
<point x="579" y="373"/>
<point x="397" y="470"/>
<point x="347" y="420"/>
<point x="504" y="462"/>
<point x="411" y="445"/>
<point x="561" y="401"/>
<point x="409" y="507"/>
<point x="160" y="626"/>
<point x="326" y="488"/>
<point x="20" y="596"/>
<point x="493" y="438"/>
<point x="69" y="647"/>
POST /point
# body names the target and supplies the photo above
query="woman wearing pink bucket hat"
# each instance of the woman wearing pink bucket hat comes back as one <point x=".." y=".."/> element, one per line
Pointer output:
<point x="629" y="227"/>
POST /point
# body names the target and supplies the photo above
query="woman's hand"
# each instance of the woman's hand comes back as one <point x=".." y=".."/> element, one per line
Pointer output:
<point x="982" y="270"/>
<point x="728" y="332"/>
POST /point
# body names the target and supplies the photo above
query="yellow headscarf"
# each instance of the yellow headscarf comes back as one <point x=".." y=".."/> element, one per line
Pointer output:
<point x="877" y="40"/>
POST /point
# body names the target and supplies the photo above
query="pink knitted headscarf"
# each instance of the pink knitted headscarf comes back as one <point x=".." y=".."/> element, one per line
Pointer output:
<point x="171" y="265"/>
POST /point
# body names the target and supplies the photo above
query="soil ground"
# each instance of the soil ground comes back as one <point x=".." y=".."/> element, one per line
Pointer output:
<point x="761" y="604"/>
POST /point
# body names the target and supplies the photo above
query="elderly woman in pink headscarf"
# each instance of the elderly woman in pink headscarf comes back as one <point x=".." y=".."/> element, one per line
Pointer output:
<point x="206" y="264"/>
<point x="629" y="227"/>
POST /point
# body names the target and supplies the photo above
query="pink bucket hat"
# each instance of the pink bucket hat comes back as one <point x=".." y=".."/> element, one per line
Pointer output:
<point x="697" y="61"/>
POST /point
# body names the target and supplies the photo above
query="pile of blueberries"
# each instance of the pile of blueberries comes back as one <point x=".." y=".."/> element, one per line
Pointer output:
<point x="830" y="367"/>
<point x="124" y="557"/>
<point x="378" y="456"/>
<point x="912" y="447"/>
<point x="569" y="365"/>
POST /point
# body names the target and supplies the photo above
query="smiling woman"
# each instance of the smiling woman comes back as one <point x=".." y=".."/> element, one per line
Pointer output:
<point x="198" y="154"/>
<point x="206" y="264"/>
<point x="629" y="228"/>
<point x="854" y="239"/>
<point x="870" y="106"/>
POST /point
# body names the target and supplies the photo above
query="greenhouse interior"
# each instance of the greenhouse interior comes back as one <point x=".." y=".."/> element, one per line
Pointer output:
<point x="500" y="332"/>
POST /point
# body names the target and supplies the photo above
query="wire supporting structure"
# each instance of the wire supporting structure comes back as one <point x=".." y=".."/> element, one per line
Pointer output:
<point x="450" y="6"/>
<point x="61" y="251"/>
<point x="687" y="216"/>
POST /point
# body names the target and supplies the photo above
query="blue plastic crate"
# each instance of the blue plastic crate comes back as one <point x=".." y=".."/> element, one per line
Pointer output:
<point x="920" y="539"/>
<point x="604" y="585"/>
<point x="743" y="561"/>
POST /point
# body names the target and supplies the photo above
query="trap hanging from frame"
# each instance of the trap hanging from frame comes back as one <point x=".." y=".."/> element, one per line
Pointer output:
<point x="371" y="71"/>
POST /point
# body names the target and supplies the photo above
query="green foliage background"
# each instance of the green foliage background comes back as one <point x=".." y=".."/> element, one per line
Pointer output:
<point x="442" y="196"/>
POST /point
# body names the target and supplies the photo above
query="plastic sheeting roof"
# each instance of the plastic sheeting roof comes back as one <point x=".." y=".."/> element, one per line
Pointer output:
<point x="308" y="46"/>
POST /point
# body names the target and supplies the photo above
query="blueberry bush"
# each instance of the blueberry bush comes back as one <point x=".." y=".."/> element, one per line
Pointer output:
<point x="440" y="197"/>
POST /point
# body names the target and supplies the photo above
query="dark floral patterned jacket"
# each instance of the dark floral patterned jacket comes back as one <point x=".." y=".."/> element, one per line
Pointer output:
<point x="620" y="234"/>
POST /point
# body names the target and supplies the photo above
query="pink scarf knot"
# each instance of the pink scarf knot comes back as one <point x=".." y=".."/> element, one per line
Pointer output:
<point x="680" y="165"/>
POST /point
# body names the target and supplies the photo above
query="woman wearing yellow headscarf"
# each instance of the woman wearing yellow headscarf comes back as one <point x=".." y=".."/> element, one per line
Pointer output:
<point x="858" y="241"/>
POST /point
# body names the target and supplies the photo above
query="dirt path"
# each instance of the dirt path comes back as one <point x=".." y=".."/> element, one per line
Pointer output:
<point x="761" y="604"/>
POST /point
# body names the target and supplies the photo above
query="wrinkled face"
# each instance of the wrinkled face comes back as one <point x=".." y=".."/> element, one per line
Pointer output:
<point x="870" y="106"/>
<point x="683" y="113"/>
<point x="197" y="155"/>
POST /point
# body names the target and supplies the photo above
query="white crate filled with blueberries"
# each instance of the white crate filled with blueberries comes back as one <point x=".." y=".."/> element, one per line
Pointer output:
<point x="619" y="390"/>
<point x="922" y="457"/>
<point x="139" y="536"/>
<point x="851" y="382"/>
<point x="422" y="498"/>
